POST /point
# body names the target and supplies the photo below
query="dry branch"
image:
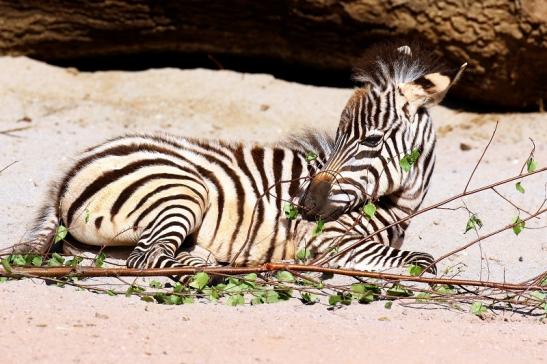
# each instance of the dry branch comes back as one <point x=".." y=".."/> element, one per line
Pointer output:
<point x="86" y="272"/>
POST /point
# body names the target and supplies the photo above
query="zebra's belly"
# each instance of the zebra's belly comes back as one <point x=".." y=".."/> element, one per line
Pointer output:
<point x="251" y="241"/>
<point x="92" y="223"/>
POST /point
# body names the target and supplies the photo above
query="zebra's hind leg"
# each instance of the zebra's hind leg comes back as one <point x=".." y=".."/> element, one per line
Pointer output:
<point x="160" y="241"/>
<point x="373" y="255"/>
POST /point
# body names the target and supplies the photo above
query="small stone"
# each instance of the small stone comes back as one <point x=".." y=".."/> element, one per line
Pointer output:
<point x="264" y="107"/>
<point x="465" y="147"/>
<point x="521" y="259"/>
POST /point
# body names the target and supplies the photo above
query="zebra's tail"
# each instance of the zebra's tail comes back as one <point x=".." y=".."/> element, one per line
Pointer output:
<point x="41" y="237"/>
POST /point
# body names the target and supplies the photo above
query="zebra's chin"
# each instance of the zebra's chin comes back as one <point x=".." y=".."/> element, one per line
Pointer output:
<point x="326" y="212"/>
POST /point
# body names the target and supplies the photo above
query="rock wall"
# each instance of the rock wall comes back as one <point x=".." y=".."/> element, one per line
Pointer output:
<point x="504" y="41"/>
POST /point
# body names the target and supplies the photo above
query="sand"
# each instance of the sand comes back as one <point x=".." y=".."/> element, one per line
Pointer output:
<point x="64" y="111"/>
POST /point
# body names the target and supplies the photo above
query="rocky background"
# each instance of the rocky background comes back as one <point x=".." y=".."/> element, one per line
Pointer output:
<point x="504" y="41"/>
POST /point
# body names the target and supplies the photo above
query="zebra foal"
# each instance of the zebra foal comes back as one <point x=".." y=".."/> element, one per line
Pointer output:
<point x="188" y="202"/>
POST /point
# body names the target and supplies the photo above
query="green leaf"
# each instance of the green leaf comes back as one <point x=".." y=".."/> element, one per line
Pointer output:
<point x="155" y="284"/>
<point x="110" y="292"/>
<point x="342" y="298"/>
<point x="538" y="295"/>
<point x="388" y="305"/>
<point x="188" y="300"/>
<point x="86" y="216"/>
<point x="310" y="156"/>
<point x="37" y="261"/>
<point x="271" y="297"/>
<point x="174" y="299"/>
<point x="303" y="254"/>
<point x="200" y="280"/>
<point x="334" y="299"/>
<point x="147" y="299"/>
<point x="531" y="165"/>
<point x="308" y="298"/>
<point x="235" y="300"/>
<point x="251" y="277"/>
<point x="56" y="260"/>
<point x="74" y="262"/>
<point x="474" y="223"/>
<point x="366" y="297"/>
<point x="284" y="276"/>
<point x="3" y="279"/>
<point x="291" y="212"/>
<point x="369" y="210"/>
<point x="6" y="265"/>
<point x="519" y="187"/>
<point x="178" y="288"/>
<point x="477" y="308"/>
<point x="257" y="301"/>
<point x="518" y="225"/>
<point x="409" y="159"/>
<point x="18" y="260"/>
<point x="99" y="259"/>
<point x="399" y="291"/>
<point x="423" y="297"/>
<point x="60" y="233"/>
<point x="415" y="270"/>
<point x="445" y="289"/>
<point x="318" y="228"/>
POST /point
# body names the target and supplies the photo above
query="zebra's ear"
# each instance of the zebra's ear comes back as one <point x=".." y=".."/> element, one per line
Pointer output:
<point x="430" y="89"/>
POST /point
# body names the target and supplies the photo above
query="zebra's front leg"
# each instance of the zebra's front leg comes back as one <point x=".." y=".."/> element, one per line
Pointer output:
<point x="373" y="254"/>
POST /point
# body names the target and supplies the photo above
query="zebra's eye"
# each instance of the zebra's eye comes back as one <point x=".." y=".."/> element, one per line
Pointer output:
<point x="372" y="141"/>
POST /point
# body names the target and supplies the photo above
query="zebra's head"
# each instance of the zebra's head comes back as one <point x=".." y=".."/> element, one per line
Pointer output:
<point x="385" y="120"/>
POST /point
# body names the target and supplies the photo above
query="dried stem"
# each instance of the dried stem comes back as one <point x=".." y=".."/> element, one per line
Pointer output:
<point x="82" y="272"/>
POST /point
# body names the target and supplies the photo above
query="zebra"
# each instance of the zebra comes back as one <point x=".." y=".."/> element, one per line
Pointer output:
<point x="178" y="201"/>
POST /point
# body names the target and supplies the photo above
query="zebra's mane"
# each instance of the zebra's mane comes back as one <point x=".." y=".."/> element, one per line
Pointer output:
<point x="319" y="142"/>
<point x="394" y="63"/>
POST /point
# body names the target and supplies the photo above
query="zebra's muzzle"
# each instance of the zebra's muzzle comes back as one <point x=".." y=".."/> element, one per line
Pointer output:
<point x="315" y="202"/>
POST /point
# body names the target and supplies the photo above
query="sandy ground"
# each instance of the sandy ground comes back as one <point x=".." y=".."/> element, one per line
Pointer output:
<point x="64" y="111"/>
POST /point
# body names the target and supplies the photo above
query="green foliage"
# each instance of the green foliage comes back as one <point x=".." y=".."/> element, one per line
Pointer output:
<point x="340" y="298"/>
<point x="155" y="284"/>
<point x="60" y="233"/>
<point x="399" y="291"/>
<point x="318" y="228"/>
<point x="291" y="212"/>
<point x="477" y="308"/>
<point x="388" y="305"/>
<point x="56" y="260"/>
<point x="303" y="255"/>
<point x="518" y="225"/>
<point x="445" y="289"/>
<point x="531" y="165"/>
<point x="369" y="210"/>
<point x="473" y="223"/>
<point x="311" y="156"/>
<point x="6" y="265"/>
<point x="99" y="260"/>
<point x="235" y="300"/>
<point x="415" y="270"/>
<point x="74" y="262"/>
<point x="423" y="297"/>
<point x="519" y="187"/>
<point x="134" y="289"/>
<point x="409" y="159"/>
<point x="365" y="293"/>
<point x="308" y="298"/>
<point x="284" y="276"/>
<point x="37" y="261"/>
<point x="200" y="281"/>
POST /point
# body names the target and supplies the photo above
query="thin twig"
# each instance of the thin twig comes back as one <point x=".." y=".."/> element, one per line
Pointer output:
<point x="482" y="155"/>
